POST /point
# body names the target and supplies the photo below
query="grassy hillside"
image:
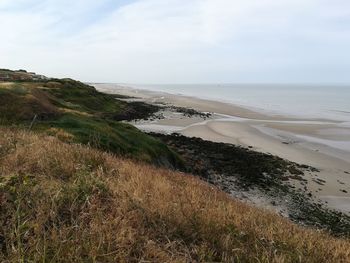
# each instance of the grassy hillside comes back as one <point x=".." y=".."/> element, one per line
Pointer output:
<point x="19" y="75"/>
<point x="70" y="203"/>
<point x="76" y="112"/>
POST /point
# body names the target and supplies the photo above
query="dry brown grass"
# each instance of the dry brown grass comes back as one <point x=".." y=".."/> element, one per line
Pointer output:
<point x="69" y="203"/>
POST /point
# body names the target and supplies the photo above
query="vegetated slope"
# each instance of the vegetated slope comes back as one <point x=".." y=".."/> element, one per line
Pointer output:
<point x="79" y="113"/>
<point x="71" y="203"/>
<point x="19" y="75"/>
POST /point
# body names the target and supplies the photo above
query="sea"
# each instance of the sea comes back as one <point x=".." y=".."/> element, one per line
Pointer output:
<point x="331" y="102"/>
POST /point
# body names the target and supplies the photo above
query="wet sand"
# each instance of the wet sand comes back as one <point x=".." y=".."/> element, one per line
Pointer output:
<point x="323" y="144"/>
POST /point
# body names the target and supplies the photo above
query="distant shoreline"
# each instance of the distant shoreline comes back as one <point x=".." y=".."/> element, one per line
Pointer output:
<point x="279" y="135"/>
<point x="321" y="102"/>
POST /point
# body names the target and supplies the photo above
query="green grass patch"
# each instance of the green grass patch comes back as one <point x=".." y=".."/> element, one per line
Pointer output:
<point x="112" y="136"/>
<point x="72" y="94"/>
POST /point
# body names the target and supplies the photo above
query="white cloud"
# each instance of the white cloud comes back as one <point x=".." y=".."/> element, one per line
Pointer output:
<point x="177" y="40"/>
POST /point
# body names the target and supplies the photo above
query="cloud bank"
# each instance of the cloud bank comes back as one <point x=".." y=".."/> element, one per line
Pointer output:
<point x="178" y="41"/>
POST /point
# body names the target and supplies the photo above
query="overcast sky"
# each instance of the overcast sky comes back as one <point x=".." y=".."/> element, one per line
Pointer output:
<point x="179" y="41"/>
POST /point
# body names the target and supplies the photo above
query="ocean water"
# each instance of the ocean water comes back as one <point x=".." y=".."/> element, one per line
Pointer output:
<point x="311" y="101"/>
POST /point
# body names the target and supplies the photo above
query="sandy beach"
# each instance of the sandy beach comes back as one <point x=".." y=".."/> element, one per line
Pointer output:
<point x="320" y="143"/>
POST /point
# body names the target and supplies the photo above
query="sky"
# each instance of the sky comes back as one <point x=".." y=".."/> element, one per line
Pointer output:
<point x="179" y="41"/>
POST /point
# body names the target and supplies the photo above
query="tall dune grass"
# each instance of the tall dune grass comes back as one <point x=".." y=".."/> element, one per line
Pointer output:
<point x="70" y="203"/>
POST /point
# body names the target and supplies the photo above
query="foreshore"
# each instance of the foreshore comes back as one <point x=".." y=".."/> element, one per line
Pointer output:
<point x="323" y="144"/>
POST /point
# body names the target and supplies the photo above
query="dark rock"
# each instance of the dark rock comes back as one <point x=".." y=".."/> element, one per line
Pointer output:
<point x="134" y="111"/>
